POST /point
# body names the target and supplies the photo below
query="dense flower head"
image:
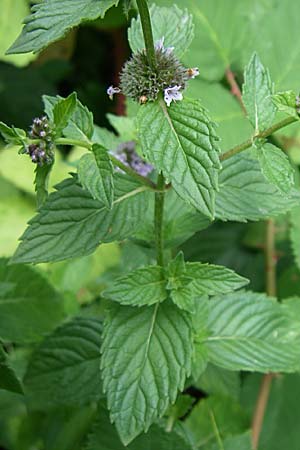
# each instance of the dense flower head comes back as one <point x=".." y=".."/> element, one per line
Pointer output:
<point x="126" y="153"/>
<point x="40" y="128"/>
<point x="40" y="154"/>
<point x="140" y="81"/>
<point x="41" y="151"/>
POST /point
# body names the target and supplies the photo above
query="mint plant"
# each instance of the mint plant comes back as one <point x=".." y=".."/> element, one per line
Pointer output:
<point x="124" y="371"/>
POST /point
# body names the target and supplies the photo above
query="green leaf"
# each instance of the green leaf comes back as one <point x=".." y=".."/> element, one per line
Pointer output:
<point x="249" y="331"/>
<point x="50" y="20"/>
<point x="286" y="102"/>
<point x="215" y="412"/>
<point x="29" y="306"/>
<point x="146" y="358"/>
<point x="295" y="234"/>
<point x="172" y="24"/>
<point x="41" y="181"/>
<point x="194" y="280"/>
<point x="209" y="279"/>
<point x="12" y="135"/>
<point x="62" y="112"/>
<point x="8" y="378"/>
<point x="257" y="95"/>
<point x="144" y="286"/>
<point x="80" y="125"/>
<point x="64" y="369"/>
<point x="181" y="141"/>
<point x="276" y="167"/>
<point x="12" y="15"/>
<point x="95" y="173"/>
<point x="104" y="437"/>
<point x="71" y="223"/>
<point x="246" y="195"/>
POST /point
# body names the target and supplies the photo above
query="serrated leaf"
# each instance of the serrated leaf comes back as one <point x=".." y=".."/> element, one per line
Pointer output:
<point x="50" y="20"/>
<point x="62" y="112"/>
<point x="8" y="378"/>
<point x="104" y="437"/>
<point x="29" y="306"/>
<point x="199" y="279"/>
<point x="71" y="223"/>
<point x="276" y="167"/>
<point x="146" y="357"/>
<point x="12" y="135"/>
<point x="208" y="279"/>
<point x="95" y="173"/>
<point x="181" y="141"/>
<point x="246" y="195"/>
<point x="257" y="95"/>
<point x="295" y="234"/>
<point x="286" y="102"/>
<point x="172" y="24"/>
<point x="80" y="125"/>
<point x="144" y="286"/>
<point x="64" y="369"/>
<point x="41" y="181"/>
<point x="249" y="331"/>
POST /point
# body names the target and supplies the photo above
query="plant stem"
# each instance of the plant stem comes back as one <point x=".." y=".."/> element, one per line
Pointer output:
<point x="116" y="162"/>
<point x="263" y="396"/>
<point x="147" y="31"/>
<point x="235" y="89"/>
<point x="263" y="134"/>
<point x="158" y="220"/>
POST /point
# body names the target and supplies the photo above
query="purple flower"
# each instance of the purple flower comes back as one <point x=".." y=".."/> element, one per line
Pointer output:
<point x="172" y="94"/>
<point x="126" y="153"/>
<point x="111" y="91"/>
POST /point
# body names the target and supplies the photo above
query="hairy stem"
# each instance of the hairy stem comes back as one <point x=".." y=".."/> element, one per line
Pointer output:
<point x="263" y="396"/>
<point x="158" y="220"/>
<point x="263" y="134"/>
<point x="116" y="162"/>
<point x="235" y="89"/>
<point x="147" y="31"/>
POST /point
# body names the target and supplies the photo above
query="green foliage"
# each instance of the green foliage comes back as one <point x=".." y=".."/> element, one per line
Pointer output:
<point x="245" y="194"/>
<point x="29" y="306"/>
<point x="257" y="95"/>
<point x="52" y="19"/>
<point x="257" y="339"/>
<point x="286" y="102"/>
<point x="173" y="25"/>
<point x="95" y="173"/>
<point x="276" y="167"/>
<point x="181" y="141"/>
<point x="53" y="236"/>
<point x="64" y="369"/>
<point x="142" y="381"/>
<point x="8" y="379"/>
<point x="172" y="365"/>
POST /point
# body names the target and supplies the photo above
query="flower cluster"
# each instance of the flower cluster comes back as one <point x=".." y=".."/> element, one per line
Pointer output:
<point x="41" y="152"/>
<point x="141" y="82"/>
<point x="126" y="153"/>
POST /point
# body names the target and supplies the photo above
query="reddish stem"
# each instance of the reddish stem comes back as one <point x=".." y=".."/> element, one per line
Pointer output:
<point x="235" y="89"/>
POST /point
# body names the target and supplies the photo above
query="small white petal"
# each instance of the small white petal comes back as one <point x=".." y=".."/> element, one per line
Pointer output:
<point x="159" y="45"/>
<point x="172" y="94"/>
<point x="194" y="72"/>
<point x="112" y="90"/>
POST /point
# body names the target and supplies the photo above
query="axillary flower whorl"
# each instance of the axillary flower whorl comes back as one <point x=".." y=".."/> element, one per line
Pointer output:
<point x="40" y="152"/>
<point x="143" y="83"/>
